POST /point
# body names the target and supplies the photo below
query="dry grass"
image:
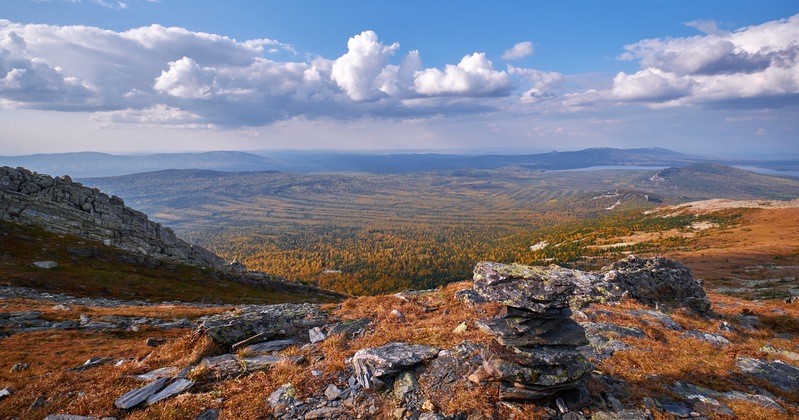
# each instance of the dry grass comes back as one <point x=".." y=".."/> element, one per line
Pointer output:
<point x="654" y="363"/>
<point x="50" y="312"/>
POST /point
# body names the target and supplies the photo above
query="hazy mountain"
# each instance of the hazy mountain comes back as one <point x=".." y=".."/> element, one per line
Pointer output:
<point x="92" y="164"/>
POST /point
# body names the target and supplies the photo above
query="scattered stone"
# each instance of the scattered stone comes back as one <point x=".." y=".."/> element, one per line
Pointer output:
<point x="535" y="351"/>
<point x="664" y="319"/>
<point x="778" y="373"/>
<point x="404" y="385"/>
<point x="761" y="400"/>
<point x="792" y="299"/>
<point x="332" y="392"/>
<point x="164" y="372"/>
<point x="45" y="264"/>
<point x="68" y="417"/>
<point x="269" y="346"/>
<point x="287" y="320"/>
<point x="175" y="388"/>
<point x="790" y="355"/>
<point x="399" y="315"/>
<point x="61" y="307"/>
<point x="39" y="402"/>
<point x="629" y="414"/>
<point x="155" y="342"/>
<point x="92" y="363"/>
<point x="469" y="297"/>
<point x="676" y="409"/>
<point x="350" y="328"/>
<point x="19" y="366"/>
<point x="324" y="413"/>
<point x="373" y="365"/>
<point x="714" y="339"/>
<point x="209" y="414"/>
<point x="316" y="335"/>
<point x="460" y="329"/>
<point x="281" y="399"/>
<point x="5" y="392"/>
<point x="140" y="395"/>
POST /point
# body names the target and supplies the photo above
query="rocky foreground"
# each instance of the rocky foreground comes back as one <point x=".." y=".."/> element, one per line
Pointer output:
<point x="638" y="340"/>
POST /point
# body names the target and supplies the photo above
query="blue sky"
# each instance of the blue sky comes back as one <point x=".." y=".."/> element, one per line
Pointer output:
<point x="697" y="76"/>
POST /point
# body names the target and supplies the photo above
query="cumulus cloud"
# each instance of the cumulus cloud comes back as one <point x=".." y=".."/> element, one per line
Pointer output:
<point x="473" y="76"/>
<point x="356" y="71"/>
<point x="520" y="50"/>
<point x="150" y="73"/>
<point x="718" y="67"/>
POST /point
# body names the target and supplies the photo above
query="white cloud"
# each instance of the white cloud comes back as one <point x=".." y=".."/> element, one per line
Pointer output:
<point x="185" y="79"/>
<point x="753" y="66"/>
<point x="357" y="70"/>
<point x="520" y="50"/>
<point x="157" y="115"/>
<point x="231" y="83"/>
<point x="473" y="76"/>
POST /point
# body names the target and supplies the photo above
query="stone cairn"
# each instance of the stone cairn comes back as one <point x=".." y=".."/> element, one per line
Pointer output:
<point x="534" y="353"/>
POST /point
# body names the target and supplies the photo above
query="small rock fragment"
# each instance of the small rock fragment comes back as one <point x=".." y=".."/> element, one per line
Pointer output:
<point x="399" y="315"/>
<point x="45" y="264"/>
<point x="155" y="342"/>
<point x="175" y="388"/>
<point x="139" y="395"/>
<point x="316" y="335"/>
<point x="460" y="329"/>
<point x="332" y="392"/>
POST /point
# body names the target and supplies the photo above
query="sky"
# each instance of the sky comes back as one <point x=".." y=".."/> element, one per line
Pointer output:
<point x="131" y="76"/>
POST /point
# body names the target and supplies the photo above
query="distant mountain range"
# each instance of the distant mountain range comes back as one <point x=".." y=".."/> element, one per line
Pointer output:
<point x="94" y="164"/>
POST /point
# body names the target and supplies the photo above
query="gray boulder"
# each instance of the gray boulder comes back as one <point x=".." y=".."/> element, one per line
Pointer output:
<point x="656" y="281"/>
<point x="373" y="365"/>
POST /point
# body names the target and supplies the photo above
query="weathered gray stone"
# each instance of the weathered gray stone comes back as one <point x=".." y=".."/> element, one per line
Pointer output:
<point x="664" y="319"/>
<point x="316" y="335"/>
<point x="281" y="399"/>
<point x="164" y="372"/>
<point x="269" y="346"/>
<point x="629" y="414"/>
<point x="715" y="339"/>
<point x="778" y="373"/>
<point x="404" y="385"/>
<point x="324" y="413"/>
<point x="350" y="328"/>
<point x="45" y="264"/>
<point x="332" y="392"/>
<point x="535" y="289"/>
<point x="372" y="365"/>
<point x="288" y="320"/>
<point x="658" y="281"/>
<point x="209" y="414"/>
<point x="140" y="395"/>
<point x="175" y="388"/>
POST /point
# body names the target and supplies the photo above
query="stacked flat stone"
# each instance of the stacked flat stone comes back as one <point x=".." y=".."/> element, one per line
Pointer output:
<point x="534" y="353"/>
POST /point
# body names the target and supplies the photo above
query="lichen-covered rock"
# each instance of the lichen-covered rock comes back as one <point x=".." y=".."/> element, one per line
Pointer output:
<point x="657" y="281"/>
<point x="535" y="352"/>
<point x="374" y="365"/>
<point x="288" y="320"/>
<point x="535" y="289"/>
<point x="140" y="395"/>
<point x="780" y="374"/>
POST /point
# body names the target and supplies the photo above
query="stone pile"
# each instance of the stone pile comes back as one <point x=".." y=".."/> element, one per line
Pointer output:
<point x="63" y="206"/>
<point x="535" y="351"/>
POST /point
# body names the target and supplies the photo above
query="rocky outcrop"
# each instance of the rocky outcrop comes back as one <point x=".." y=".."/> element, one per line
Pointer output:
<point x="535" y="352"/>
<point x="657" y="281"/>
<point x="62" y="206"/>
<point x="260" y="323"/>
